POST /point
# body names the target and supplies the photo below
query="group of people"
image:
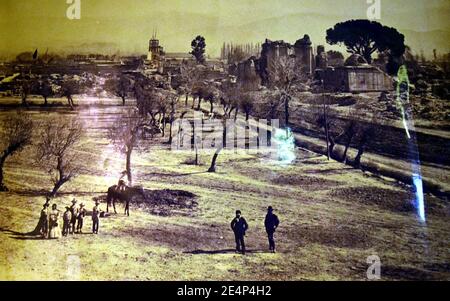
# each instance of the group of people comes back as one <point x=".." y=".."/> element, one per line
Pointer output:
<point x="72" y="218"/>
<point x="239" y="226"/>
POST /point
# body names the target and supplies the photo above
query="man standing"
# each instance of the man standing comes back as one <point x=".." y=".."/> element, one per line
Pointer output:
<point x="271" y="223"/>
<point x="67" y="217"/>
<point x="95" y="217"/>
<point x="73" y="219"/>
<point x="239" y="226"/>
<point x="80" y="218"/>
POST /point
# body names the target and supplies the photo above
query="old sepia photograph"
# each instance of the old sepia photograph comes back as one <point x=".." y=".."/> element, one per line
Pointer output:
<point x="225" y="140"/>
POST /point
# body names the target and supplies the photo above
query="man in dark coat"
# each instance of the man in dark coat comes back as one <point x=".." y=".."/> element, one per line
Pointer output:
<point x="74" y="214"/>
<point x="67" y="217"/>
<point x="239" y="226"/>
<point x="271" y="223"/>
<point x="80" y="218"/>
<point x="95" y="217"/>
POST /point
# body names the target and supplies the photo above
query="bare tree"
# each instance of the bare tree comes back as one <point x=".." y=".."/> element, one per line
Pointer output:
<point x="283" y="74"/>
<point x="125" y="134"/>
<point x="189" y="76"/>
<point x="56" y="150"/>
<point x="25" y="90"/>
<point x="212" y="167"/>
<point x="247" y="104"/>
<point x="172" y="99"/>
<point x="16" y="135"/>
<point x="229" y="99"/>
<point x="212" y="96"/>
<point x="45" y="90"/>
<point x="119" y="87"/>
<point x="68" y="89"/>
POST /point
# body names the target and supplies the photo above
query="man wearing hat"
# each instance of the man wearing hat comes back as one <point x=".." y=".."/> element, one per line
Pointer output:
<point x="239" y="226"/>
<point x="74" y="214"/>
<point x="80" y="218"/>
<point x="67" y="217"/>
<point x="271" y="223"/>
<point x="95" y="217"/>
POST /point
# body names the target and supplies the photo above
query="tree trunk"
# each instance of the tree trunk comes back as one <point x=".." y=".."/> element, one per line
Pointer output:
<point x="327" y="134"/>
<point x="286" y="110"/>
<point x="236" y="113"/>
<point x="367" y="55"/>
<point x="199" y="104"/>
<point x="57" y="187"/>
<point x="332" y="145"/>
<point x="186" y="100"/>
<point x="358" y="156"/>
<point x="128" y="166"/>
<point x="69" y="99"/>
<point x="24" y="100"/>
<point x="196" y="152"/>
<point x="212" y="107"/>
<point x="347" y="145"/>
<point x="212" y="168"/>
<point x="247" y="115"/>
<point x="163" y="124"/>
<point x="123" y="100"/>
<point x="45" y="101"/>
<point x="2" y="162"/>
<point x="170" y="130"/>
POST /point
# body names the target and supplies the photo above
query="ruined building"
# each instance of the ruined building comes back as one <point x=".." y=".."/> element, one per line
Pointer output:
<point x="304" y="55"/>
<point x="321" y="58"/>
<point x="247" y="73"/>
<point x="355" y="76"/>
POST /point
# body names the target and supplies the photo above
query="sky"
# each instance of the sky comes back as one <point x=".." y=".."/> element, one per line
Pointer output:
<point x="119" y="26"/>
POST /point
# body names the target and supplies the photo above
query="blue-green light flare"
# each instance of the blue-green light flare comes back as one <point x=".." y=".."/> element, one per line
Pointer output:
<point x="285" y="143"/>
<point x="403" y="104"/>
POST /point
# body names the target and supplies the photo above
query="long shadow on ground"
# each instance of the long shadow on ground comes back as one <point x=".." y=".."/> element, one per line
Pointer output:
<point x="223" y="251"/>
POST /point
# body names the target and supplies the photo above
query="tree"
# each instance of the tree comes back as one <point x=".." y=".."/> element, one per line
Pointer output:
<point x="125" y="133"/>
<point x="365" y="37"/>
<point x="188" y="76"/>
<point x="25" y="90"/>
<point x="246" y="104"/>
<point x="229" y="99"/>
<point x="198" y="46"/>
<point x="56" y="150"/>
<point x="173" y="101"/>
<point x="212" y="95"/>
<point x="199" y="91"/>
<point x="283" y="74"/>
<point x="16" y="135"/>
<point x="119" y="87"/>
<point x="349" y="133"/>
<point x="45" y="90"/>
<point x="212" y="167"/>
<point x="68" y="89"/>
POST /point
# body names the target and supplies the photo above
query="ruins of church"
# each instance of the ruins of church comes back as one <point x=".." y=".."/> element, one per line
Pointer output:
<point x="352" y="76"/>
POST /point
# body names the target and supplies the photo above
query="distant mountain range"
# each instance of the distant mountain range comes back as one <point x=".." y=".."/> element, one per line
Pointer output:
<point x="176" y="30"/>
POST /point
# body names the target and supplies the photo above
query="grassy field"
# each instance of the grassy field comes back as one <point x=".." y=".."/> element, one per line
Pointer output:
<point x="332" y="218"/>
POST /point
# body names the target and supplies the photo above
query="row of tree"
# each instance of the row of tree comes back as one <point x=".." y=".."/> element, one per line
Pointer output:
<point x="54" y="151"/>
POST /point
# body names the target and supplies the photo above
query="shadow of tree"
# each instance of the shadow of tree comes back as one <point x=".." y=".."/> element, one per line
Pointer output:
<point x="43" y="193"/>
<point x="223" y="251"/>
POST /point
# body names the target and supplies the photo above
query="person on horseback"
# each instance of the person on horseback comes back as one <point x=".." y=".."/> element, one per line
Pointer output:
<point x="121" y="186"/>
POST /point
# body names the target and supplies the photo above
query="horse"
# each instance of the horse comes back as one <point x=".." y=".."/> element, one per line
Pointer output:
<point x="114" y="193"/>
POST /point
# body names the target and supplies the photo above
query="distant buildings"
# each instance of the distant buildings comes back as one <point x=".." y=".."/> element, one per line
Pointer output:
<point x="355" y="76"/>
